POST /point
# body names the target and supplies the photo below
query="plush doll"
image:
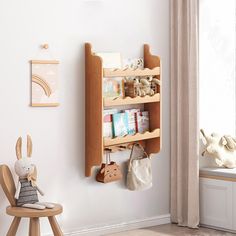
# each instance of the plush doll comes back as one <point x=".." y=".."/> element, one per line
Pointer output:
<point x="221" y="148"/>
<point x="26" y="192"/>
<point x="146" y="86"/>
<point x="143" y="85"/>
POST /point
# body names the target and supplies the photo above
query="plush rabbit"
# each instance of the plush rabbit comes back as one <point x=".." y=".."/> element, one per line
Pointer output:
<point x="26" y="192"/>
<point x="221" y="148"/>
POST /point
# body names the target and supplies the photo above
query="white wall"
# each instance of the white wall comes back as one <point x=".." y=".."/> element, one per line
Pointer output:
<point x="58" y="133"/>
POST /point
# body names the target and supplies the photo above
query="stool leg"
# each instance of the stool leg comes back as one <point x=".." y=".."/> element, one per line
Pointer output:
<point x="55" y="227"/>
<point x="34" y="229"/>
<point x="14" y="226"/>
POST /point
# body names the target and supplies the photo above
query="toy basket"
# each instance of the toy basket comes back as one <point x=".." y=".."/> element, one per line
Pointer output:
<point x="131" y="88"/>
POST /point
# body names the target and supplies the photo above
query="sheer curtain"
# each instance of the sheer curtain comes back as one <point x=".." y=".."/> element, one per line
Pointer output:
<point x="184" y="113"/>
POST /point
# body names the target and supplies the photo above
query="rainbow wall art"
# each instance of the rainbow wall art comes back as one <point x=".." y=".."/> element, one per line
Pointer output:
<point x="44" y="79"/>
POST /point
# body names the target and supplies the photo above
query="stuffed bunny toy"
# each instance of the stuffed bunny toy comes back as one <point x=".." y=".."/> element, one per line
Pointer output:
<point x="26" y="192"/>
<point x="221" y="148"/>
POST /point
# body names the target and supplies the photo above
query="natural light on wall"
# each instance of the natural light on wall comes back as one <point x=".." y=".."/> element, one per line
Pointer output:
<point x="217" y="66"/>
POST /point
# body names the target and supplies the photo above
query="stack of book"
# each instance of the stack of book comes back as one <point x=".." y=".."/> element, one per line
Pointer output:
<point x="121" y="123"/>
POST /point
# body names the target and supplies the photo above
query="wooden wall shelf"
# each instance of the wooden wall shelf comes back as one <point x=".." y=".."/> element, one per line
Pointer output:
<point x="95" y="103"/>
<point x="130" y="72"/>
<point x="107" y="102"/>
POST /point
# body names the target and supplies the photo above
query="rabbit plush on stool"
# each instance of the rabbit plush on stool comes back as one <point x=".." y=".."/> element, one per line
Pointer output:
<point x="26" y="192"/>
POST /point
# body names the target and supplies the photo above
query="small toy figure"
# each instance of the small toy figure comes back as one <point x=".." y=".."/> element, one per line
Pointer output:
<point x="26" y="193"/>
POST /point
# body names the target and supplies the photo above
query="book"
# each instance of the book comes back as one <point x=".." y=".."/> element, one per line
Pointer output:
<point x="113" y="87"/>
<point x="120" y="124"/>
<point x="142" y="121"/>
<point x="107" y="122"/>
<point x="131" y="117"/>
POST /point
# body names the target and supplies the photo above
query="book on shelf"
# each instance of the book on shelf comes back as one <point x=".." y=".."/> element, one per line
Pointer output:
<point x="107" y="122"/>
<point x="131" y="118"/>
<point x="112" y="87"/>
<point x="142" y="121"/>
<point x="120" y="124"/>
<point x="127" y="122"/>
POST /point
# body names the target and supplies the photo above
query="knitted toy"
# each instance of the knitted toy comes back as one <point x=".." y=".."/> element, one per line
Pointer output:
<point x="143" y="85"/>
<point x="26" y="193"/>
<point x="221" y="148"/>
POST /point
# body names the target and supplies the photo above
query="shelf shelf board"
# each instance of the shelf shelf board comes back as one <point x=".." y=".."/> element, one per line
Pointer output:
<point x="131" y="138"/>
<point x="130" y="101"/>
<point x="130" y="72"/>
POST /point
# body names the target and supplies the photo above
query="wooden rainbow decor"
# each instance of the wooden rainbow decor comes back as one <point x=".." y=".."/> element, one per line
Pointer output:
<point x="44" y="78"/>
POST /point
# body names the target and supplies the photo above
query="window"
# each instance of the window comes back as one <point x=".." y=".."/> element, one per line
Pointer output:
<point x="217" y="47"/>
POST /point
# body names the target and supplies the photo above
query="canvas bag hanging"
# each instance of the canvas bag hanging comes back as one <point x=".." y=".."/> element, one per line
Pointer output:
<point x="139" y="175"/>
<point x="109" y="171"/>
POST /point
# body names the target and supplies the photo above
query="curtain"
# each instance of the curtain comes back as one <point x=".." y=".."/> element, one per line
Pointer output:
<point x="184" y="113"/>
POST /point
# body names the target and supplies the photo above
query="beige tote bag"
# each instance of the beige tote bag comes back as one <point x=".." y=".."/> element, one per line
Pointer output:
<point x="139" y="175"/>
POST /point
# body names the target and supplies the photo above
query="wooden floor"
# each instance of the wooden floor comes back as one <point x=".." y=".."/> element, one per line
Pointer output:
<point x="173" y="230"/>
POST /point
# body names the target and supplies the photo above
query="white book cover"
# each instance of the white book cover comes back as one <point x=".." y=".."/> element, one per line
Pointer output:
<point x="142" y="121"/>
<point x="131" y="117"/>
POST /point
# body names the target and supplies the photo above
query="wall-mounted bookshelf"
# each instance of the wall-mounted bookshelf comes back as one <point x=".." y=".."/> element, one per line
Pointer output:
<point x="95" y="103"/>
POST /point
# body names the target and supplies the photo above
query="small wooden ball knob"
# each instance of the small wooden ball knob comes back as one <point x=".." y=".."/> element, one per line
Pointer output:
<point x="45" y="46"/>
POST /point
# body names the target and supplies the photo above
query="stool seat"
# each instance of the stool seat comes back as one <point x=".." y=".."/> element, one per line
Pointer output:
<point x="29" y="212"/>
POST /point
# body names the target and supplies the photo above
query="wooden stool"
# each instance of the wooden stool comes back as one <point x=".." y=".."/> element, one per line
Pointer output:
<point x="9" y="189"/>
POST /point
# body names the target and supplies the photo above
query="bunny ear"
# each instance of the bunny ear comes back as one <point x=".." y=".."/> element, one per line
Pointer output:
<point x="203" y="137"/>
<point x="18" y="148"/>
<point x="35" y="173"/>
<point x="29" y="146"/>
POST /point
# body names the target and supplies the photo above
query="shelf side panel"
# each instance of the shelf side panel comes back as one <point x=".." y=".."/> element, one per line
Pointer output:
<point x="154" y="109"/>
<point x="93" y="110"/>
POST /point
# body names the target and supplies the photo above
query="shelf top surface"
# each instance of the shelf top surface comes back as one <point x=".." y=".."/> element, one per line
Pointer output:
<point x="130" y="101"/>
<point x="130" y="72"/>
<point x="131" y="138"/>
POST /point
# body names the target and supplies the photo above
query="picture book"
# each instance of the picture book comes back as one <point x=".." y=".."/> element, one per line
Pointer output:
<point x="131" y="117"/>
<point x="107" y="122"/>
<point x="142" y="121"/>
<point x="113" y="87"/>
<point x="120" y="124"/>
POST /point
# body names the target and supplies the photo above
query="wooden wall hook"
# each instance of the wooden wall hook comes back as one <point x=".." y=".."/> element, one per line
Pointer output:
<point x="45" y="46"/>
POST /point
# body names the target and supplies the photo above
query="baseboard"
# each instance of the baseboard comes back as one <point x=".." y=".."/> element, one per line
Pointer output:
<point x="218" y="228"/>
<point x="109" y="229"/>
